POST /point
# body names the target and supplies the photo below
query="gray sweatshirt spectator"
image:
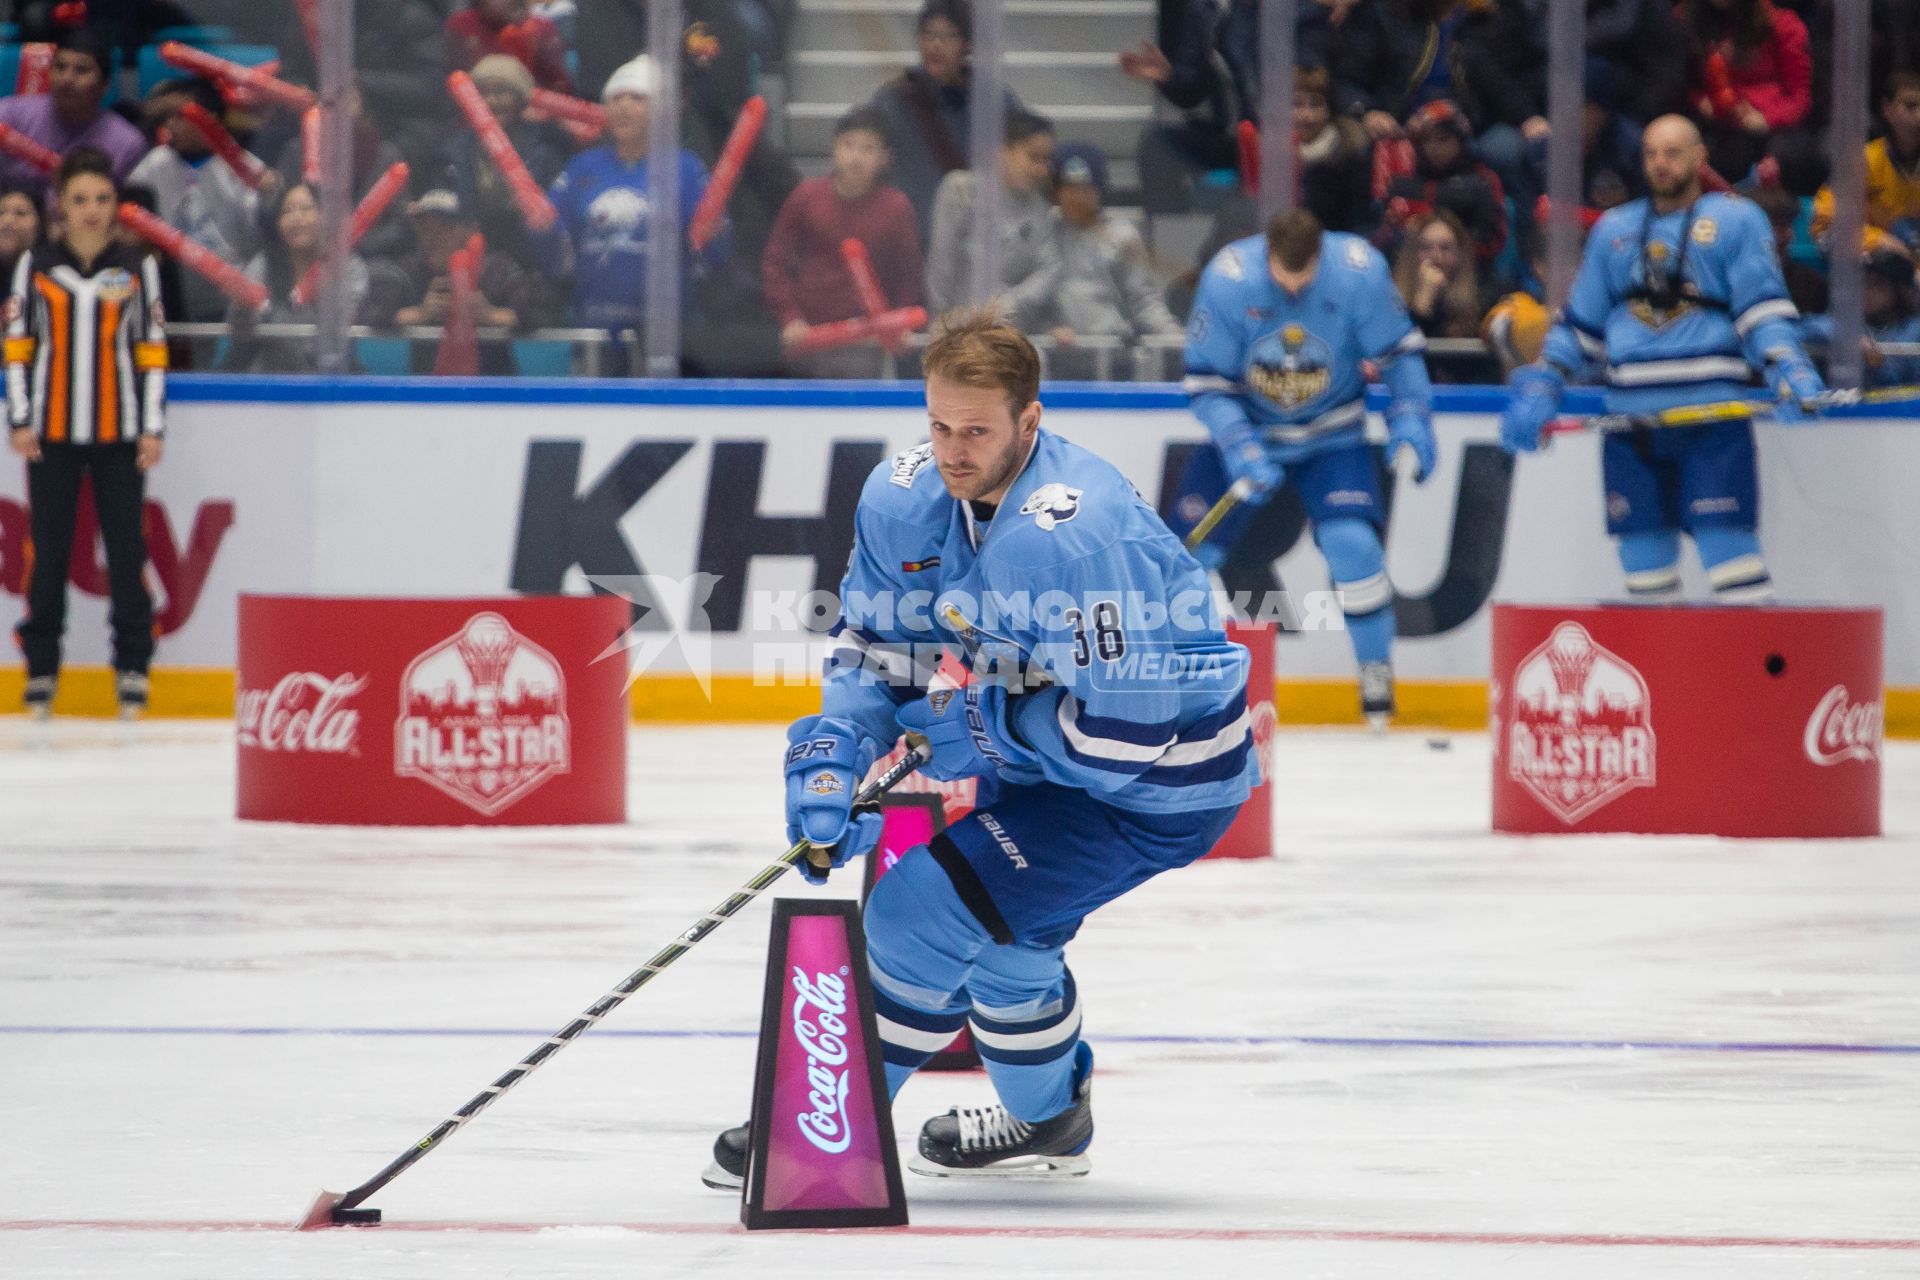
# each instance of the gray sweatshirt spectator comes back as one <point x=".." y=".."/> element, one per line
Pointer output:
<point x="1029" y="252"/>
<point x="1106" y="287"/>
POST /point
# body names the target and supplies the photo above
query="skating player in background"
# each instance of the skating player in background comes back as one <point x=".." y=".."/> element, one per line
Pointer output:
<point x="1280" y="328"/>
<point x="1106" y="719"/>
<point x="1680" y="295"/>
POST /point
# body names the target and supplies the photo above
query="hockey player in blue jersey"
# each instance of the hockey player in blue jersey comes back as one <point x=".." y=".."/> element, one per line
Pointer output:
<point x="1280" y="328"/>
<point x="1680" y="295"/>
<point x="1105" y="717"/>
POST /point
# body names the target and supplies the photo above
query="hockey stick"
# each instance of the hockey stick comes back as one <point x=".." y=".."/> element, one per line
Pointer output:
<point x="1697" y="415"/>
<point x="334" y="1208"/>
<point x="1233" y="497"/>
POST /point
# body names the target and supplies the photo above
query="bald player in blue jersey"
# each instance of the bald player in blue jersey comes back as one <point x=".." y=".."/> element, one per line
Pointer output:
<point x="1105" y="717"/>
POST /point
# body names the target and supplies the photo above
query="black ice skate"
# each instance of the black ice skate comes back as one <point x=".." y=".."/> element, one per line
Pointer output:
<point x="1376" y="694"/>
<point x="728" y="1172"/>
<point x="986" y="1142"/>
<point x="132" y="689"/>
<point x="40" y="697"/>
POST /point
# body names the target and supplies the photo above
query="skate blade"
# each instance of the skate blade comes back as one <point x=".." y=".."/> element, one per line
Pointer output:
<point x="1379" y="720"/>
<point x="719" y="1179"/>
<point x="1019" y="1169"/>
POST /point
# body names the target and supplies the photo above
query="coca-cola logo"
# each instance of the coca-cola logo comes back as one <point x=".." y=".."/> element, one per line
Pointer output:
<point x="1841" y="729"/>
<point x="305" y="711"/>
<point x="823" y="1038"/>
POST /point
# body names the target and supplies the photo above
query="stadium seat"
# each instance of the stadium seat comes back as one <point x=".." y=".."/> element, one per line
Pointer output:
<point x="388" y="356"/>
<point x="542" y="358"/>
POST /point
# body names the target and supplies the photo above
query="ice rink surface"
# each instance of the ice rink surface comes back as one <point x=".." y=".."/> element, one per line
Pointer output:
<point x="1404" y="1047"/>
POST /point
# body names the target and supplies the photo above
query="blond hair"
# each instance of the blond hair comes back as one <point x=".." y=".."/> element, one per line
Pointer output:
<point x="976" y="347"/>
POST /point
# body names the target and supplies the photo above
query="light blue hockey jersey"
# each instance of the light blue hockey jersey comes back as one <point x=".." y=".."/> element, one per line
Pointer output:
<point x="1076" y="582"/>
<point x="1679" y="310"/>
<point x="1262" y="362"/>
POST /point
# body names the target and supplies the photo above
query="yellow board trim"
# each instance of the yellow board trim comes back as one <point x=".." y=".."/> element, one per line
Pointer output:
<point x="1424" y="704"/>
<point x="19" y="350"/>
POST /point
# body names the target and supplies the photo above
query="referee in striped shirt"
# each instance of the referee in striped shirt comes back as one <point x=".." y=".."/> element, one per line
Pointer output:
<point x="86" y="359"/>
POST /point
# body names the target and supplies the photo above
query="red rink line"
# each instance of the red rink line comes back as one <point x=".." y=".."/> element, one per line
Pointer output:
<point x="1223" y="1235"/>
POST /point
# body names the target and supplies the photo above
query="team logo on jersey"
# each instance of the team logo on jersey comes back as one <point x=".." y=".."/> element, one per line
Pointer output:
<point x="1660" y="299"/>
<point x="1051" y="504"/>
<point x="114" y="285"/>
<point x="910" y="463"/>
<point x="1292" y="367"/>
<point x="1581" y="729"/>
<point x="483" y="716"/>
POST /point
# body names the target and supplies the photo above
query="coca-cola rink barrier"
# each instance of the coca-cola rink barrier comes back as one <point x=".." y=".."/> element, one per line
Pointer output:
<point x="1681" y="719"/>
<point x="421" y="712"/>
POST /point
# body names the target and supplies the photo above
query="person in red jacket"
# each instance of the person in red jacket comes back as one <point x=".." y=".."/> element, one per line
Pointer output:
<point x="506" y="26"/>
<point x="1751" y="80"/>
<point x="804" y="276"/>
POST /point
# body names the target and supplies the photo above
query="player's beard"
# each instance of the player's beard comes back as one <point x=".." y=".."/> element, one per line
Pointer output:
<point x="1673" y="189"/>
<point x="989" y="477"/>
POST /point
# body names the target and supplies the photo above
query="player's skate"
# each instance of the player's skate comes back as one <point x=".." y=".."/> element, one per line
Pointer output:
<point x="729" y="1168"/>
<point x="1376" y="694"/>
<point x="986" y="1142"/>
<point x="39" y="697"/>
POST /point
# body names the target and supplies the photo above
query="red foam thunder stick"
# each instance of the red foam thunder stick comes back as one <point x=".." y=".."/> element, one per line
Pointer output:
<point x="535" y="209"/>
<point x="310" y="146"/>
<point x="872" y="298"/>
<point x="845" y="333"/>
<point x="1247" y="134"/>
<point x="26" y="150"/>
<point x="564" y="106"/>
<point x="267" y="87"/>
<point x="225" y="145"/>
<point x="366" y="215"/>
<point x="459" y="353"/>
<point x="36" y="69"/>
<point x="196" y="258"/>
<point x="705" y="223"/>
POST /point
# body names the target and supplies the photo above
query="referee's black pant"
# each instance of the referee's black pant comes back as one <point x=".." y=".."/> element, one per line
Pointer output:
<point x="53" y="495"/>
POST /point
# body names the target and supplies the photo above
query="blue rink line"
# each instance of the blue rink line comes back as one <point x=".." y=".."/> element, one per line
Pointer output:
<point x="1225" y="1042"/>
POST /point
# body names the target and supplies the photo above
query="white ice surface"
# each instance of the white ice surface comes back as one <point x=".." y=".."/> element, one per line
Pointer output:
<point x="1297" y="1133"/>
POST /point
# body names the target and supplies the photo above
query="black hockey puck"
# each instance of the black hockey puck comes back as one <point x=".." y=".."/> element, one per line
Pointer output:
<point x="1438" y="743"/>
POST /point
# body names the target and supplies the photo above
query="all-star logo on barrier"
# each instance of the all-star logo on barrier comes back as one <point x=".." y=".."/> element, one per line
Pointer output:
<point x="483" y="716"/>
<point x="822" y="1148"/>
<point x="1581" y="733"/>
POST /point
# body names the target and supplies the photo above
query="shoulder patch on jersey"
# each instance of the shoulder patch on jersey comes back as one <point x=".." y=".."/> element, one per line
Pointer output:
<point x="909" y="464"/>
<point x="1051" y="504"/>
<point x="1228" y="260"/>
<point x="1705" y="231"/>
<point x="1357" y="254"/>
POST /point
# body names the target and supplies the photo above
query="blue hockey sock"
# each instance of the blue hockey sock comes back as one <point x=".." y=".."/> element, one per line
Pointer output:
<point x="1358" y="566"/>
<point x="1734" y="565"/>
<point x="1030" y="1049"/>
<point x="1651" y="561"/>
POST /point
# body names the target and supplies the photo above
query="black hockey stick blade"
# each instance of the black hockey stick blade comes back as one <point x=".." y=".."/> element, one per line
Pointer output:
<point x="326" y="1212"/>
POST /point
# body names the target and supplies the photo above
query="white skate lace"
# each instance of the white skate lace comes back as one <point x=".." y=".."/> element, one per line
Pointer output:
<point x="988" y="1128"/>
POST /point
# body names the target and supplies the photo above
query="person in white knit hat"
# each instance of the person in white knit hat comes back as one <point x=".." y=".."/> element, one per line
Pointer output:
<point x="600" y="238"/>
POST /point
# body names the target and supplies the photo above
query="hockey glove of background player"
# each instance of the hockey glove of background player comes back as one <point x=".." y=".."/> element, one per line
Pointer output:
<point x="1533" y="398"/>
<point x="1247" y="460"/>
<point x="1799" y="389"/>
<point x="970" y="731"/>
<point x="827" y="759"/>
<point x="1414" y="429"/>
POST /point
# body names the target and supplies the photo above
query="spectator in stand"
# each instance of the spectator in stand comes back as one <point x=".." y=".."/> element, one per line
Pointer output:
<point x="563" y="14"/>
<point x="1611" y="170"/>
<point x="1893" y="171"/>
<point x="507" y="86"/>
<point x="926" y="109"/>
<point x="373" y="155"/>
<point x="416" y="290"/>
<point x="1891" y="300"/>
<point x="21" y="226"/>
<point x="1029" y="254"/>
<point x="197" y="191"/>
<point x="293" y="247"/>
<point x="1206" y="65"/>
<point x="1106" y="287"/>
<point x="600" y="239"/>
<point x="70" y="115"/>
<point x="1751" y="79"/>
<point x="1437" y="279"/>
<point x="506" y="26"/>
<point x="1640" y="42"/>
<point x="1806" y="285"/>
<point x="803" y="275"/>
<point x="1335" y="157"/>
<point x="1448" y="177"/>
